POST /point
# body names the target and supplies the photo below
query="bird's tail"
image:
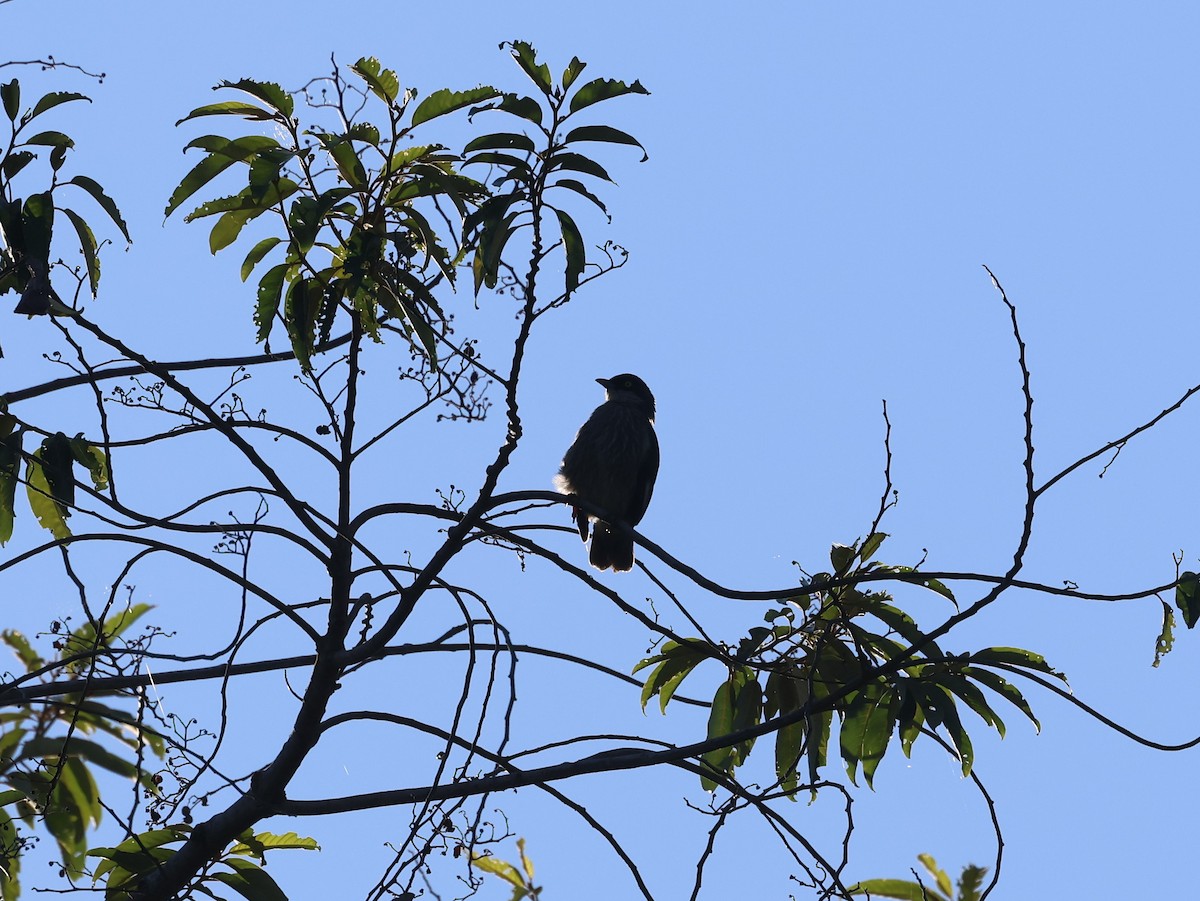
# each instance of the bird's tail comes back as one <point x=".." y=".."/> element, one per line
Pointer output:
<point x="610" y="548"/>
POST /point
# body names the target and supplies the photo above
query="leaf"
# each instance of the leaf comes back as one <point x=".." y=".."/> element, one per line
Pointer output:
<point x="525" y="107"/>
<point x="867" y="729"/>
<point x="444" y="101"/>
<point x="577" y="162"/>
<point x="92" y="459"/>
<point x="223" y="154"/>
<point x="106" y="202"/>
<point x="10" y="462"/>
<point x="1187" y="597"/>
<point x="841" y="556"/>
<point x="37" y="224"/>
<point x="526" y="57"/>
<point x="231" y="108"/>
<point x="1015" y="657"/>
<point x="268" y="841"/>
<point x="574" y="250"/>
<point x="970" y="882"/>
<point x="737" y="705"/>
<point x="15" y="162"/>
<point x="257" y="252"/>
<point x="607" y="134"/>
<point x="579" y="188"/>
<point x="526" y="863"/>
<point x="87" y="246"/>
<point x="502" y="140"/>
<point x="250" y="881"/>
<point x="939" y="875"/>
<point x="383" y="82"/>
<point x="893" y="888"/>
<point x="1004" y="688"/>
<point x="268" y="92"/>
<point x="574" y="68"/>
<point x="674" y="664"/>
<point x="30" y="658"/>
<point x="53" y="99"/>
<point x="871" y="545"/>
<point x="497" y="867"/>
<point x="49" y="139"/>
<point x="603" y="89"/>
<point x="10" y="95"/>
<point x="973" y="697"/>
<point x="302" y="309"/>
<point x="270" y="287"/>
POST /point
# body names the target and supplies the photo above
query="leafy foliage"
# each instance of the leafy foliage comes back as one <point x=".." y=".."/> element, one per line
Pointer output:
<point x="27" y="223"/>
<point x="241" y="866"/>
<point x="520" y="879"/>
<point x="969" y="885"/>
<point x="816" y="662"/>
<point x="49" y="754"/>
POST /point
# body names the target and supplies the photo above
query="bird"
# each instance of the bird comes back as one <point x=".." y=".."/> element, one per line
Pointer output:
<point x="612" y="465"/>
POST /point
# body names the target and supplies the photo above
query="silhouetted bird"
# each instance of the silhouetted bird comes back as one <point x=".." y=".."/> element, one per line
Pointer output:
<point x="613" y="464"/>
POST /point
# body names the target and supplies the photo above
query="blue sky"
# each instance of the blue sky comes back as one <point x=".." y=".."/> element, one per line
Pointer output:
<point x="825" y="183"/>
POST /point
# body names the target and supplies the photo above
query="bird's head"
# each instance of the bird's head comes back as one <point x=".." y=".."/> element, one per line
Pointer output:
<point x="629" y="389"/>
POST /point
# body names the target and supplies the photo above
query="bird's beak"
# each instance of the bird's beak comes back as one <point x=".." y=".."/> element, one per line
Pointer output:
<point x="603" y="382"/>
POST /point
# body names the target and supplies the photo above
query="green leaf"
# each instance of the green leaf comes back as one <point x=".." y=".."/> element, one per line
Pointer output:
<point x="526" y="57"/>
<point x="675" y="663"/>
<point x="15" y="162"/>
<point x="574" y="250"/>
<point x="842" y="558"/>
<point x="268" y="92"/>
<point x="973" y="697"/>
<point x="606" y="134"/>
<point x="1004" y="688"/>
<point x="257" y="252"/>
<point x="940" y="876"/>
<point x="49" y="139"/>
<point x="302" y="309"/>
<point x="92" y="459"/>
<point x="894" y="888"/>
<point x="871" y="545"/>
<point x="37" y="224"/>
<point x="867" y="729"/>
<point x="574" y="68"/>
<point x="106" y="202"/>
<point x="10" y="94"/>
<point x="577" y="162"/>
<point x="270" y="287"/>
<point x="1015" y="657"/>
<point x="24" y="650"/>
<point x="250" y="881"/>
<point x="87" y="247"/>
<point x="1187" y="597"/>
<point x="579" y="188"/>
<point x="497" y="867"/>
<point x="603" y="89"/>
<point x="268" y="841"/>
<point x="383" y="82"/>
<point x="58" y="465"/>
<point x="525" y="107"/>
<point x="231" y="108"/>
<point x="444" y="101"/>
<point x="10" y="462"/>
<point x="970" y="882"/>
<point x="223" y="153"/>
<point x="502" y="140"/>
<point x="53" y="99"/>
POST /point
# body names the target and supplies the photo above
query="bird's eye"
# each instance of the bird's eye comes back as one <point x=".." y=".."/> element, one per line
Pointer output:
<point x="627" y="384"/>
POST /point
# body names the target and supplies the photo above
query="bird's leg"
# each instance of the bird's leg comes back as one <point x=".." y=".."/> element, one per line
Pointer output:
<point x="581" y="521"/>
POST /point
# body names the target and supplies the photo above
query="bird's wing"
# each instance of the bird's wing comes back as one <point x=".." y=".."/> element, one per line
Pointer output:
<point x="647" y="473"/>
